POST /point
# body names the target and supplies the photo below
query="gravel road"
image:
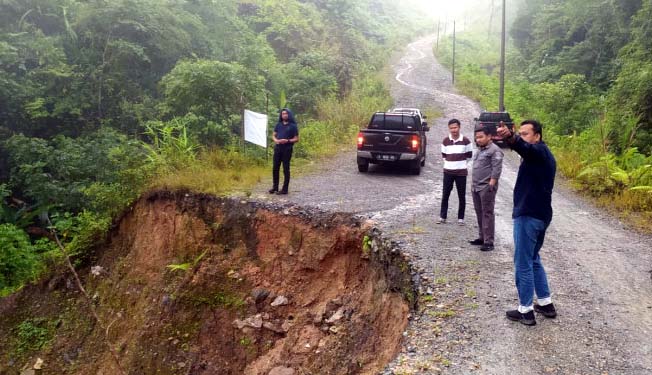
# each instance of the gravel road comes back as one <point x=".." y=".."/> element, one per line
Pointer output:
<point x="598" y="269"/>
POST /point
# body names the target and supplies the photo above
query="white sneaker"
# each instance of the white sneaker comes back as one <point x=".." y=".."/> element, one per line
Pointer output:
<point x="440" y="221"/>
<point x="460" y="221"/>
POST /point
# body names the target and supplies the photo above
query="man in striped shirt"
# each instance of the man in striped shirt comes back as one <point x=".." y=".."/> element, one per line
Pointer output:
<point x="457" y="151"/>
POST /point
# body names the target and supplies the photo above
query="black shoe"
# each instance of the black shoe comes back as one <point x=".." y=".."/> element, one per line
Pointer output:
<point x="272" y="191"/>
<point x="547" y="310"/>
<point x="477" y="242"/>
<point x="282" y="192"/>
<point x="486" y="247"/>
<point x="527" y="318"/>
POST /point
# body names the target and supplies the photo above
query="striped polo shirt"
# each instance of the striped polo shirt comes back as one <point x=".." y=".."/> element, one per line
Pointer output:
<point x="456" y="154"/>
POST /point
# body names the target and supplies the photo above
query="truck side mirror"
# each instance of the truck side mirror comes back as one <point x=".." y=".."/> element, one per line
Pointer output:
<point x="475" y="119"/>
<point x="425" y="117"/>
<point x="425" y="127"/>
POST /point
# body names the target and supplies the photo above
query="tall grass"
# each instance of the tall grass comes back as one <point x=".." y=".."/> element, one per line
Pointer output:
<point x="218" y="172"/>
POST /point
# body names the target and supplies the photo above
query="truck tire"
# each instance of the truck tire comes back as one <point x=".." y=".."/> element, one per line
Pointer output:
<point x="363" y="167"/>
<point x="415" y="167"/>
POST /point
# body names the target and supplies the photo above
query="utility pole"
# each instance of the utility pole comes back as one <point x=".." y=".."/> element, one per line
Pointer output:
<point x="453" y="52"/>
<point x="438" y="27"/>
<point x="501" y="96"/>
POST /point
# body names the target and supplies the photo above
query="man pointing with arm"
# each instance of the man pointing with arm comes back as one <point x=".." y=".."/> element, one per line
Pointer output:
<point x="532" y="214"/>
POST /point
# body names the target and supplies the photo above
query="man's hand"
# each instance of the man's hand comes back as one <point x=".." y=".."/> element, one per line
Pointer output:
<point x="502" y="131"/>
<point x="492" y="184"/>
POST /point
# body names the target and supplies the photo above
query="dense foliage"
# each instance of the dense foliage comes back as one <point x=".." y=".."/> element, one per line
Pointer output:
<point x="583" y="68"/>
<point x="101" y="99"/>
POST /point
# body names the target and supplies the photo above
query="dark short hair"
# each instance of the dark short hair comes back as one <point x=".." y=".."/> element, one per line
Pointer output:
<point x="483" y="130"/>
<point x="536" y="126"/>
<point x="454" y="121"/>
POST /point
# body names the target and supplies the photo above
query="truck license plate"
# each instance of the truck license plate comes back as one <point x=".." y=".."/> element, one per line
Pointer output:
<point x="387" y="157"/>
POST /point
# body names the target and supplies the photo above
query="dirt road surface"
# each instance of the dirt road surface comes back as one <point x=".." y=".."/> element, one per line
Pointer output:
<point x="599" y="270"/>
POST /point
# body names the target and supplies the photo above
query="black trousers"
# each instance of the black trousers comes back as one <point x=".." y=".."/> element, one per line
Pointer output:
<point x="282" y="155"/>
<point x="460" y="183"/>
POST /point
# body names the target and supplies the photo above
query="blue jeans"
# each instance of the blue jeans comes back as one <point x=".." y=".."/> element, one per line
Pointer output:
<point x="528" y="269"/>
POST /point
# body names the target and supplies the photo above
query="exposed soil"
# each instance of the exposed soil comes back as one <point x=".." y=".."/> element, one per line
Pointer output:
<point x="257" y="289"/>
<point x="599" y="269"/>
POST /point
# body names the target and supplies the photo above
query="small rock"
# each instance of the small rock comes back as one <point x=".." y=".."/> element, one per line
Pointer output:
<point x="253" y="322"/>
<point x="337" y="316"/>
<point x="39" y="364"/>
<point x="259" y="294"/>
<point x="97" y="270"/>
<point x="274" y="327"/>
<point x="281" y="370"/>
<point x="335" y="329"/>
<point x="181" y="364"/>
<point x="280" y="301"/>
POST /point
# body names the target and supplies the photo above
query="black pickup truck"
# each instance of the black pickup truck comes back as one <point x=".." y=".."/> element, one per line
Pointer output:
<point x="393" y="138"/>
<point x="490" y="121"/>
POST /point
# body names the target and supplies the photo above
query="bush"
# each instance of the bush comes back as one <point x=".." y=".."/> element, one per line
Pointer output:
<point x="57" y="172"/>
<point x="19" y="262"/>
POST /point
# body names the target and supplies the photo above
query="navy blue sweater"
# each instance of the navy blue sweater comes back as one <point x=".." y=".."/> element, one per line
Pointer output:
<point x="536" y="178"/>
<point x="288" y="130"/>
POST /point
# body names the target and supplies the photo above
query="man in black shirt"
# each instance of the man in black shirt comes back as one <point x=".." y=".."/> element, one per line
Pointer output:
<point x="286" y="134"/>
<point x="532" y="215"/>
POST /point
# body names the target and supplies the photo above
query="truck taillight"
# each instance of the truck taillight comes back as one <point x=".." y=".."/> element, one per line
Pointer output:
<point x="415" y="143"/>
<point x="360" y="140"/>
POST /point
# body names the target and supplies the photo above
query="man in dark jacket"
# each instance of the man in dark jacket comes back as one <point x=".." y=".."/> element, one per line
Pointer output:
<point x="532" y="215"/>
<point x="286" y="134"/>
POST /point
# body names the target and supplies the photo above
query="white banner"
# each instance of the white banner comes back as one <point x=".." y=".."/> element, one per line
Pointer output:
<point x="255" y="128"/>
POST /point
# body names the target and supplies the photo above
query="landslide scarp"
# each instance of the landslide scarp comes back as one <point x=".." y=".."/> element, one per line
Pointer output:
<point x="195" y="284"/>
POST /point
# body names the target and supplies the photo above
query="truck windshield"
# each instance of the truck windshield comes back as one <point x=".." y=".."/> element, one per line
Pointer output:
<point x="393" y="122"/>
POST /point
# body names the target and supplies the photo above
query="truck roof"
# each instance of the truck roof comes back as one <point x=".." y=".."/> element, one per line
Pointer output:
<point x="395" y="121"/>
<point x="495" y="117"/>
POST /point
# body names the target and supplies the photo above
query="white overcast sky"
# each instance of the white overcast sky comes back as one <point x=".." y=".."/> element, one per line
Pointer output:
<point x="464" y="12"/>
<point x="452" y="9"/>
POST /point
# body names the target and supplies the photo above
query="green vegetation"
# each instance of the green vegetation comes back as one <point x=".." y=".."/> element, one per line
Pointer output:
<point x="33" y="334"/>
<point x="226" y="300"/>
<point x="582" y="68"/>
<point x="188" y="265"/>
<point x="366" y="245"/>
<point x="101" y="101"/>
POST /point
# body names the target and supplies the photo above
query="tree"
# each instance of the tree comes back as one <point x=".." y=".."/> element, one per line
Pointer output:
<point x="212" y="89"/>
